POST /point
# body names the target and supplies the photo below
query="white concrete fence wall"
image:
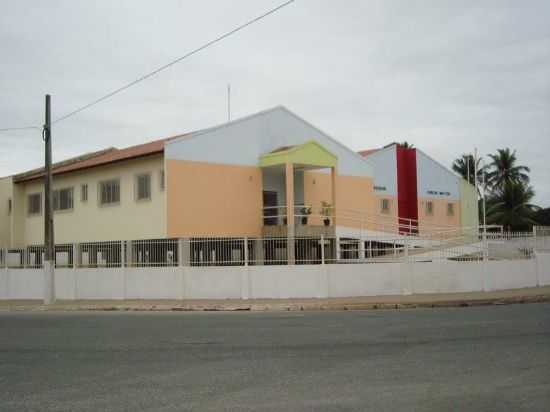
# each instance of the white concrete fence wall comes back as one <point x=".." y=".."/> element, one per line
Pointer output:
<point x="300" y="281"/>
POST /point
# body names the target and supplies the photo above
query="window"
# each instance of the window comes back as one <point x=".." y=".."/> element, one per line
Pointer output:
<point x="429" y="208"/>
<point x="84" y="193"/>
<point x="9" y="206"/>
<point x="109" y="192"/>
<point x="162" y="180"/>
<point x="450" y="209"/>
<point x="385" y="205"/>
<point x="35" y="203"/>
<point x="63" y="199"/>
<point x="143" y="187"/>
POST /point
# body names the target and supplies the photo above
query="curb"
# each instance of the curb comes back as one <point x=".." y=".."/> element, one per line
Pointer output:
<point x="280" y="307"/>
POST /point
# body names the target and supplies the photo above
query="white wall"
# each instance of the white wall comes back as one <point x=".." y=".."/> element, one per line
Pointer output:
<point x="260" y="282"/>
<point x="384" y="162"/>
<point x="543" y="268"/>
<point x="242" y="141"/>
<point x="433" y="177"/>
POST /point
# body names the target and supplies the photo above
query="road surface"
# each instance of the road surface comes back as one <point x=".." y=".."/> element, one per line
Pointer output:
<point x="493" y="358"/>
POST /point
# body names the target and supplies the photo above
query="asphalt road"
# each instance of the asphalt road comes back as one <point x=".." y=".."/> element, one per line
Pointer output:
<point x="494" y="358"/>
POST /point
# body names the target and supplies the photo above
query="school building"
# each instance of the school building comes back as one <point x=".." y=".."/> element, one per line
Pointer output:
<point x="271" y="174"/>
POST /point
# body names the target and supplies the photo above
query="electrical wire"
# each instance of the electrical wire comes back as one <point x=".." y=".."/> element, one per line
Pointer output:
<point x="9" y="129"/>
<point x="179" y="59"/>
<point x="158" y="70"/>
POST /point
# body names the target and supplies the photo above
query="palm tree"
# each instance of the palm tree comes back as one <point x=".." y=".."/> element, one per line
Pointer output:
<point x="503" y="169"/>
<point x="512" y="207"/>
<point x="464" y="166"/>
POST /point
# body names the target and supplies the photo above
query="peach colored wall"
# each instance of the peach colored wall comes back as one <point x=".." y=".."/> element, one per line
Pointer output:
<point x="439" y="217"/>
<point x="353" y="193"/>
<point x="386" y="221"/>
<point x="206" y="199"/>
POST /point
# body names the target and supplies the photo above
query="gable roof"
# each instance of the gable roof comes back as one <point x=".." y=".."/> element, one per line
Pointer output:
<point x="267" y="112"/>
<point x="103" y="157"/>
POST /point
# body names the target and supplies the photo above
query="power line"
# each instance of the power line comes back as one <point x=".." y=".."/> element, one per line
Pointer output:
<point x="156" y="71"/>
<point x="9" y="129"/>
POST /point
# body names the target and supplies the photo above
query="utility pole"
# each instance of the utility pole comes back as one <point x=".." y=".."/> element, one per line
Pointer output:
<point x="49" y="245"/>
<point x="485" y="245"/>
<point x="468" y="167"/>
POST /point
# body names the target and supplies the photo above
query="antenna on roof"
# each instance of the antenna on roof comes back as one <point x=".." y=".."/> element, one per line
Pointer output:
<point x="228" y="103"/>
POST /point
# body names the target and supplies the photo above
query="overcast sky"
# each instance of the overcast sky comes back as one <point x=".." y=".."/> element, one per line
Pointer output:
<point x="444" y="75"/>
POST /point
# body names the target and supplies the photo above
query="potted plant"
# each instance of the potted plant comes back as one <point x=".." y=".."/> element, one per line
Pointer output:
<point x="326" y="211"/>
<point x="306" y="211"/>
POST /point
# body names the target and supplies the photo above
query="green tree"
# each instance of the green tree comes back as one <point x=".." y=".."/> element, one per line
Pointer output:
<point x="543" y="217"/>
<point x="511" y="206"/>
<point x="503" y="169"/>
<point x="464" y="166"/>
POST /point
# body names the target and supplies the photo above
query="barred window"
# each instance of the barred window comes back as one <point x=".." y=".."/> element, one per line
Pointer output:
<point x="385" y="205"/>
<point x="84" y="193"/>
<point x="450" y="209"/>
<point x="162" y="180"/>
<point x="34" y="203"/>
<point x="429" y="208"/>
<point x="109" y="192"/>
<point x="63" y="199"/>
<point x="143" y="187"/>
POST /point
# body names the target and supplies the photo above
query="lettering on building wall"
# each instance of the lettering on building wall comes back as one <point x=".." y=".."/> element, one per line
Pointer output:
<point x="380" y="188"/>
<point x="437" y="193"/>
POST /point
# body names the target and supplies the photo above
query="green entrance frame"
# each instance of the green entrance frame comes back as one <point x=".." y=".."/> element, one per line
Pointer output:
<point x="310" y="153"/>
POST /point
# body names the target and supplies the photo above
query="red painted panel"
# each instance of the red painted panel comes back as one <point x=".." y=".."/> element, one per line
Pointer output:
<point x="407" y="197"/>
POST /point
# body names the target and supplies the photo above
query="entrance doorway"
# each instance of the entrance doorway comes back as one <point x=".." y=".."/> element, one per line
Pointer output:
<point x="270" y="208"/>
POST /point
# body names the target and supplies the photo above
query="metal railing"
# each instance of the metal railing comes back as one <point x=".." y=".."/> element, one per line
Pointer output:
<point x="283" y="250"/>
<point x="385" y="223"/>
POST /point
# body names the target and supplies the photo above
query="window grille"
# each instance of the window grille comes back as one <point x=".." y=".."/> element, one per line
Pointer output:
<point x="84" y="193"/>
<point x="429" y="208"/>
<point x="450" y="209"/>
<point x="63" y="199"/>
<point x="109" y="192"/>
<point x="35" y="203"/>
<point x="385" y="205"/>
<point x="143" y="187"/>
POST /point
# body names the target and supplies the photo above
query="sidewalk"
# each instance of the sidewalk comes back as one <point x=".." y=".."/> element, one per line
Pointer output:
<point x="527" y="295"/>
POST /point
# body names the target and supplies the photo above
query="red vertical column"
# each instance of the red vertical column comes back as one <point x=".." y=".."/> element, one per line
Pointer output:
<point x="407" y="192"/>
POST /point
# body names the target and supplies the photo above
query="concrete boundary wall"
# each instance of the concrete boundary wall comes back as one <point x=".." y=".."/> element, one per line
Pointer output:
<point x="256" y="282"/>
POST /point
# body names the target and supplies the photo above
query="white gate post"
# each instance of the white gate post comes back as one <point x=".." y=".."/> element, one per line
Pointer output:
<point x="75" y="266"/>
<point x="122" y="254"/>
<point x="245" y="241"/>
<point x="245" y="275"/>
<point x="322" y="249"/>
